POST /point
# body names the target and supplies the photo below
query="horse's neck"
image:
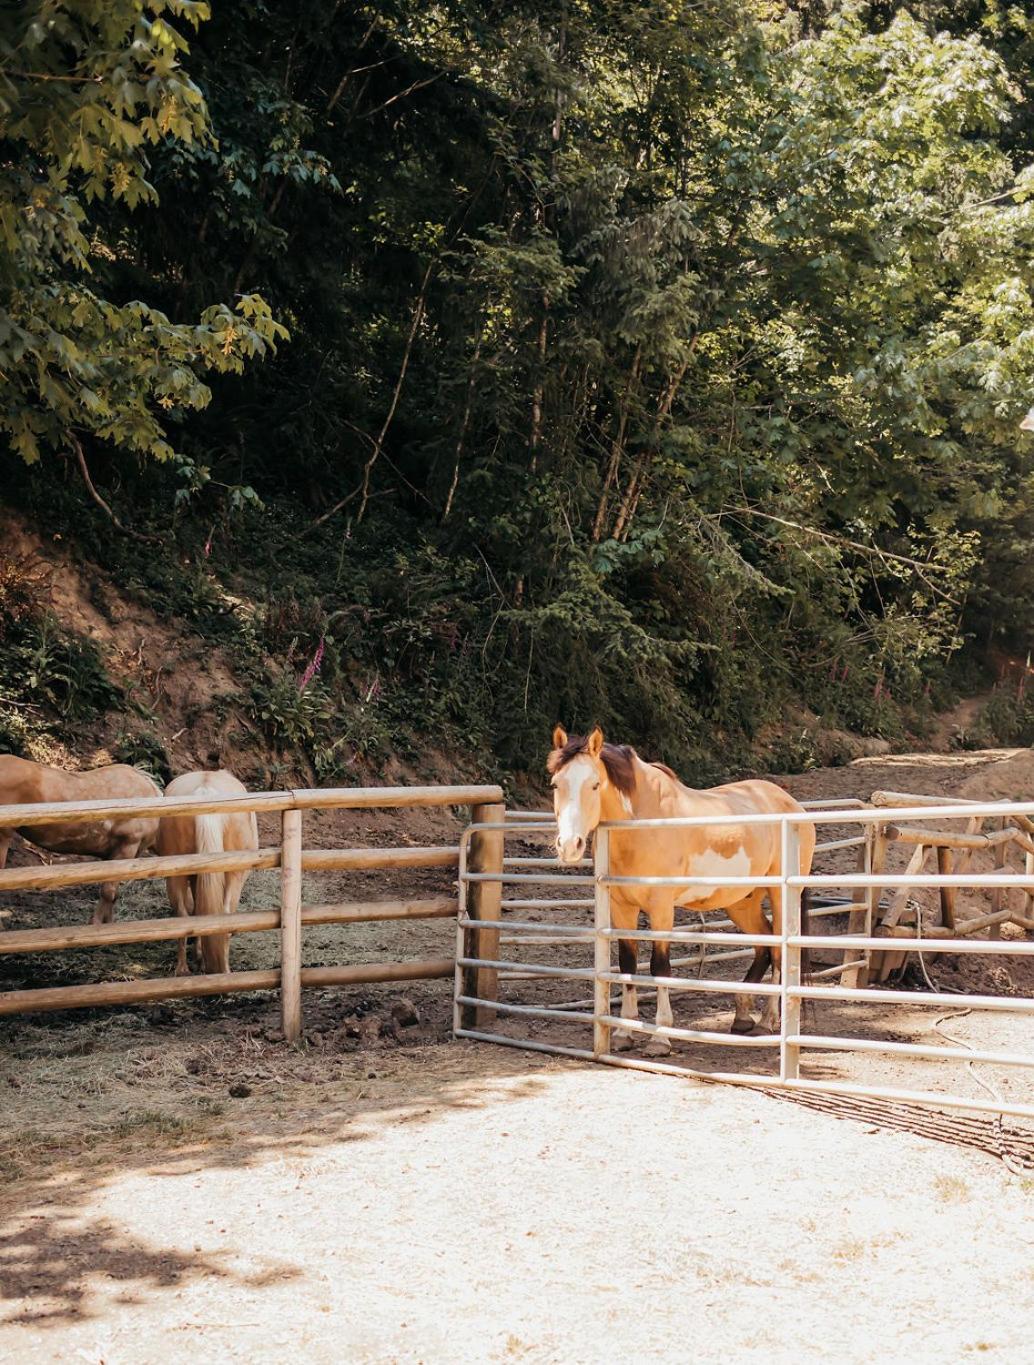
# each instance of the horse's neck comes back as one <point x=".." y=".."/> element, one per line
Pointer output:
<point x="655" y="790"/>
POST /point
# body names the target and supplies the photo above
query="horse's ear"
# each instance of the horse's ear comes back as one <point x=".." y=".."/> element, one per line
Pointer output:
<point x="559" y="737"/>
<point x="594" y="743"/>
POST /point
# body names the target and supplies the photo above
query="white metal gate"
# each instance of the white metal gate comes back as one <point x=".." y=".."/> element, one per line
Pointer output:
<point x="582" y="921"/>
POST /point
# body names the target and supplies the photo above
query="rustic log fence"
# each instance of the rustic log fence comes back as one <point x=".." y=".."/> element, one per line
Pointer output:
<point x="290" y="916"/>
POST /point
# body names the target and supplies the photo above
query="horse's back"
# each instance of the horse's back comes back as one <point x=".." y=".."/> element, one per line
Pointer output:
<point x="178" y="834"/>
<point x="23" y="782"/>
<point x="755" y="796"/>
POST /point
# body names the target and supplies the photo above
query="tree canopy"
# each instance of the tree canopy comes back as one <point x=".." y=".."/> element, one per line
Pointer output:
<point x="656" y="363"/>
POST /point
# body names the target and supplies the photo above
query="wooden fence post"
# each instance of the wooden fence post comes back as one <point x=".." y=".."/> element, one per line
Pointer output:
<point x="291" y="925"/>
<point x="484" y="901"/>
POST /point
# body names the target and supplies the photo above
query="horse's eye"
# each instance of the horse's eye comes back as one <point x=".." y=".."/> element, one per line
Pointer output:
<point x="596" y="786"/>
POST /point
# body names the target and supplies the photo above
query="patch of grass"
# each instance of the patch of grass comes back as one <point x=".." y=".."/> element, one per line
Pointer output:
<point x="156" y="1123"/>
<point x="951" y="1189"/>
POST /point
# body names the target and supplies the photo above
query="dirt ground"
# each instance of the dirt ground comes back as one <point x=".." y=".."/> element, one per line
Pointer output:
<point x="177" y="1184"/>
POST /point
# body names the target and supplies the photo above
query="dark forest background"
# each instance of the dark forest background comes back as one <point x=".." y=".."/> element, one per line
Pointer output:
<point x="460" y="367"/>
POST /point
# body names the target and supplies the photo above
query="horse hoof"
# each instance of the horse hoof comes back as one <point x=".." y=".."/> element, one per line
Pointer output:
<point x="658" y="1048"/>
<point x="622" y="1042"/>
<point x="742" y="1026"/>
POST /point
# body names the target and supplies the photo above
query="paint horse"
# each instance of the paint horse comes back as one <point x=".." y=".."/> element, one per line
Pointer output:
<point x="594" y="782"/>
<point x="207" y="893"/>
<point x="23" y="782"/>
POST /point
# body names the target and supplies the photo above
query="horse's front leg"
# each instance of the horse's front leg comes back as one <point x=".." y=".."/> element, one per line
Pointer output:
<point x="628" y="963"/>
<point x="662" y="918"/>
<point x="660" y="965"/>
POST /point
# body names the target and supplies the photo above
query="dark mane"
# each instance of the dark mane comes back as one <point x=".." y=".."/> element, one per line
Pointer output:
<point x="618" y="759"/>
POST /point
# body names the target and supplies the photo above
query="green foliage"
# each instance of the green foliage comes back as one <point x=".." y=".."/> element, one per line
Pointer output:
<point x="86" y="89"/>
<point x="662" y="364"/>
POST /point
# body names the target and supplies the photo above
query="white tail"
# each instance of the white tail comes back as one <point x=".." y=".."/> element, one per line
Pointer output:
<point x="208" y="892"/>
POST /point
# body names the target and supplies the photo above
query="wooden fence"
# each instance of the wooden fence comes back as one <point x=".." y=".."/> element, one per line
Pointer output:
<point x="290" y="916"/>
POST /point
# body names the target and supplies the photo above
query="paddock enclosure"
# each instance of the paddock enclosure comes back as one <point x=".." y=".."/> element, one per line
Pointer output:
<point x="543" y="977"/>
<point x="533" y="960"/>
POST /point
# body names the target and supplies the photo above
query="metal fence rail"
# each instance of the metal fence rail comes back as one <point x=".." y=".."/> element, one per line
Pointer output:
<point x="475" y="1011"/>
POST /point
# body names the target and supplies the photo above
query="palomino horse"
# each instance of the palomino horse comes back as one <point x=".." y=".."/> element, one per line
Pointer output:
<point x="594" y="782"/>
<point x="23" y="782"/>
<point x="207" y="893"/>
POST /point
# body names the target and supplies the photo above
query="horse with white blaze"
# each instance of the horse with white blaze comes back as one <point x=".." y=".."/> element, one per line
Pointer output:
<point x="596" y="782"/>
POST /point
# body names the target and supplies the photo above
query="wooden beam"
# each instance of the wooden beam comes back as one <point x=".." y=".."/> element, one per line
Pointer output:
<point x="291" y="926"/>
<point x="215" y="983"/>
<point x="53" y="938"/>
<point x="939" y="838"/>
<point x="133" y="869"/>
<point x="69" y="812"/>
<point x="432" y="969"/>
<point x="365" y="798"/>
<point x="362" y="859"/>
<point x="370" y="912"/>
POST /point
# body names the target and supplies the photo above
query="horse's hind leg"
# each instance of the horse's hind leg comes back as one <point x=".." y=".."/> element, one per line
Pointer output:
<point x="180" y="900"/>
<point x="749" y="918"/>
<point x="770" y="1017"/>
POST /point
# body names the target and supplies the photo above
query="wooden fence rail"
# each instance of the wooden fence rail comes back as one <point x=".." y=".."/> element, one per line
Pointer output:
<point x="290" y="917"/>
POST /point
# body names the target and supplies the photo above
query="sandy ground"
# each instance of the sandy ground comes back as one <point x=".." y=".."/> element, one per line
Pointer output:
<point x="179" y="1185"/>
<point x="477" y="1205"/>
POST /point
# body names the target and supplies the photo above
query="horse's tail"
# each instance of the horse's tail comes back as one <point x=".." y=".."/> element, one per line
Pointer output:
<point x="208" y="892"/>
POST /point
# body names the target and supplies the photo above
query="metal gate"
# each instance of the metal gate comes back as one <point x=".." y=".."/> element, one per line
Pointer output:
<point x="565" y="914"/>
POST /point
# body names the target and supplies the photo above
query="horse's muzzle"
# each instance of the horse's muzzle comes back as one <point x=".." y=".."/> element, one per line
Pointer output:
<point x="570" y="850"/>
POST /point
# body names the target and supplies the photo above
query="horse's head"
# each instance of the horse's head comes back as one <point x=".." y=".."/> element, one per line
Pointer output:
<point x="578" y="778"/>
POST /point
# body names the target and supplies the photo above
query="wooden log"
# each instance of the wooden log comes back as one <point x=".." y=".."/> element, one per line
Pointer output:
<point x="944" y="867"/>
<point x="431" y="969"/>
<point x="133" y="869"/>
<point x="939" y="838"/>
<point x="61" y="812"/>
<point x="135" y="992"/>
<point x="368" y="798"/>
<point x="370" y="912"/>
<point x="364" y="859"/>
<point x="484" y="901"/>
<point x="885" y="963"/>
<point x="976" y="923"/>
<point x="962" y="929"/>
<point x="327" y="798"/>
<point x="902" y="800"/>
<point x="53" y="938"/>
<point x="214" y="983"/>
<point x="291" y="926"/>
